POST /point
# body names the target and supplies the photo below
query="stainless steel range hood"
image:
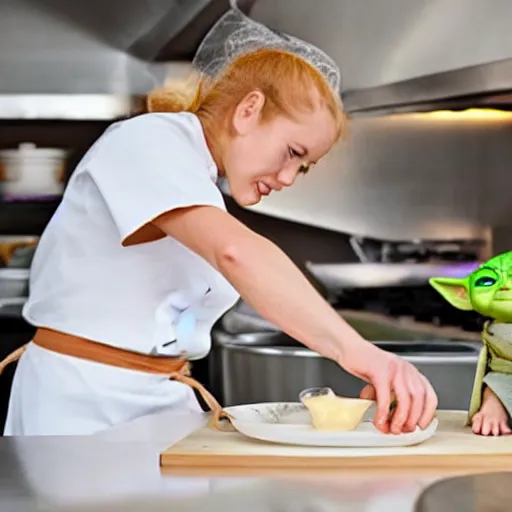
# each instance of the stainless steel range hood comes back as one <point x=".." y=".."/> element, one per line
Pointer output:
<point x="487" y="85"/>
<point x="93" y="59"/>
<point x="408" y="55"/>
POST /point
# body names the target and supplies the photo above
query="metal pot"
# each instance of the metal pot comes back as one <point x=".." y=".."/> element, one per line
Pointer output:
<point x="270" y="367"/>
<point x="32" y="172"/>
<point x="14" y="282"/>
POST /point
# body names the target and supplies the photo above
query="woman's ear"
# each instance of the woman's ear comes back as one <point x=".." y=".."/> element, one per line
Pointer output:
<point x="246" y="116"/>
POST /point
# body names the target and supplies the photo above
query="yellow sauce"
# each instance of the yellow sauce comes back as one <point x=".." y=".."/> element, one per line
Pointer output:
<point x="331" y="412"/>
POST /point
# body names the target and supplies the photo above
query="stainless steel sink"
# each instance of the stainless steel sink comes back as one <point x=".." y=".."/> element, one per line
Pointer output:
<point x="271" y="366"/>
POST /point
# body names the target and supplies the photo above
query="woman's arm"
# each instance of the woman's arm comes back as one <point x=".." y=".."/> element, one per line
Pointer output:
<point x="269" y="281"/>
<point x="264" y="276"/>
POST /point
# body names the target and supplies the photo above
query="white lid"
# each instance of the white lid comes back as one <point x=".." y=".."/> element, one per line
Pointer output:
<point x="30" y="150"/>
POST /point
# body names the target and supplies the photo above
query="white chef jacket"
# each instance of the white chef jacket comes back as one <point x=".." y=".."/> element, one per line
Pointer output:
<point x="156" y="297"/>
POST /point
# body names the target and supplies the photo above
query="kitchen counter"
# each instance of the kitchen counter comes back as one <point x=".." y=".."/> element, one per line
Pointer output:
<point x="121" y="467"/>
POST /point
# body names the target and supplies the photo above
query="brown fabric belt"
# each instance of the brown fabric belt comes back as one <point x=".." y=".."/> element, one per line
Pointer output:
<point x="176" y="368"/>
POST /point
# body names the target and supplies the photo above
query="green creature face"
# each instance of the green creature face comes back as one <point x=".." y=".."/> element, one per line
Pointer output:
<point x="487" y="290"/>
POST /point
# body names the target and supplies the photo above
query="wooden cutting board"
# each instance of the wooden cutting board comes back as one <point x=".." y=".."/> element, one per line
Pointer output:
<point x="453" y="447"/>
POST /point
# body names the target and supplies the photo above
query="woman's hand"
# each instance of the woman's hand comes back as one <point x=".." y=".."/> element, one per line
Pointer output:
<point x="392" y="378"/>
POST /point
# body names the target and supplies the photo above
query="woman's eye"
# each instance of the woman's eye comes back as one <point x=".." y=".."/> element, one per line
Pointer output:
<point x="293" y="153"/>
<point x="485" y="281"/>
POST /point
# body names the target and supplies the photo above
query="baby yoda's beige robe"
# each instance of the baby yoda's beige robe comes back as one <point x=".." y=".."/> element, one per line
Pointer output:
<point x="494" y="367"/>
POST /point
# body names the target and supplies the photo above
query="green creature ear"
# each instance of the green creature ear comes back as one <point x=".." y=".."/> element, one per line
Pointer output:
<point x="453" y="290"/>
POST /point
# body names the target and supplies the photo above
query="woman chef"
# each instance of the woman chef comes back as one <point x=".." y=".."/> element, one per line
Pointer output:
<point x="141" y="257"/>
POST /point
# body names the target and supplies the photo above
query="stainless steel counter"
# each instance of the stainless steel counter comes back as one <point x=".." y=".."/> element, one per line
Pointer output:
<point x="118" y="470"/>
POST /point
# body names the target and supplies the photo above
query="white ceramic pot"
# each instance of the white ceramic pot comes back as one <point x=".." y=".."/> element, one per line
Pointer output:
<point x="29" y="171"/>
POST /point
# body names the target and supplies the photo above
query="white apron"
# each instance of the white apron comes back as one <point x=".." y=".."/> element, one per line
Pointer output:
<point x="154" y="298"/>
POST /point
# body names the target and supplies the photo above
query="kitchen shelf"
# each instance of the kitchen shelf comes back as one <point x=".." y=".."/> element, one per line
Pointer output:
<point x="26" y="218"/>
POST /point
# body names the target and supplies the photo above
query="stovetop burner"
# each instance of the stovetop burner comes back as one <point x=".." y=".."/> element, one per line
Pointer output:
<point x="422" y="304"/>
<point x="416" y="251"/>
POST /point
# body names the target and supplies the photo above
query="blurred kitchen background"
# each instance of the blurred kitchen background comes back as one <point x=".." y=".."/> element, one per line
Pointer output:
<point x="421" y="186"/>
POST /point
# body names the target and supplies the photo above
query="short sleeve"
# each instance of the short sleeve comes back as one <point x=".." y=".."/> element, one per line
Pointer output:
<point x="150" y="165"/>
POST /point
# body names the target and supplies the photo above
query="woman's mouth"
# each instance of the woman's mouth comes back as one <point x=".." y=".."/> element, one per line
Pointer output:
<point x="264" y="190"/>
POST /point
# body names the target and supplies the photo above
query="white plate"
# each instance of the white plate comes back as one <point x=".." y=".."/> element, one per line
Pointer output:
<point x="290" y="423"/>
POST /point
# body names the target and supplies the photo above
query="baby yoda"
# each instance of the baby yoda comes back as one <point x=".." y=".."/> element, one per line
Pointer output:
<point x="488" y="291"/>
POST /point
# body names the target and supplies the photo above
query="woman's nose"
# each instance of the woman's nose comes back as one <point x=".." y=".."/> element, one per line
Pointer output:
<point x="287" y="176"/>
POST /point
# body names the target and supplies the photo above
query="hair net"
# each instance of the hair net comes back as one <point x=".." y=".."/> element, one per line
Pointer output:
<point x="235" y="34"/>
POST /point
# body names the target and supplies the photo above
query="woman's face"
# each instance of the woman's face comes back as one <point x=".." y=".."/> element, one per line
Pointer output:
<point x="260" y="158"/>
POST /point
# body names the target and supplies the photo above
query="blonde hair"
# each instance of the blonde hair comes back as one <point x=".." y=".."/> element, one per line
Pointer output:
<point x="286" y="80"/>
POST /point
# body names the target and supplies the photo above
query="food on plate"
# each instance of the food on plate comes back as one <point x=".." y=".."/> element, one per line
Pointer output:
<point x="331" y="412"/>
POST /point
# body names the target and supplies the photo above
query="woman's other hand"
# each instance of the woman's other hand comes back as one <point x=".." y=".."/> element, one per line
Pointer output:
<point x="393" y="378"/>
